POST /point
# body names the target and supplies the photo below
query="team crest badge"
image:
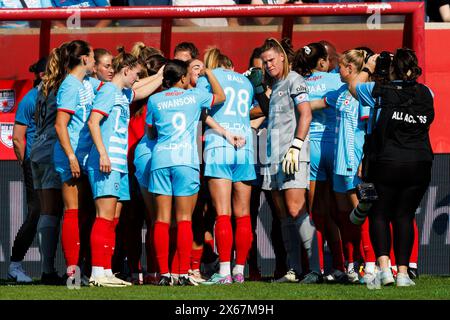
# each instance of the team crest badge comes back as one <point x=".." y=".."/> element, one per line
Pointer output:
<point x="6" y="134"/>
<point x="7" y="100"/>
<point x="116" y="186"/>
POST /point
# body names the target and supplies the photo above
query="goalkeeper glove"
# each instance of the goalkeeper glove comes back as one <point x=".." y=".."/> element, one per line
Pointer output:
<point x="292" y="157"/>
<point x="255" y="75"/>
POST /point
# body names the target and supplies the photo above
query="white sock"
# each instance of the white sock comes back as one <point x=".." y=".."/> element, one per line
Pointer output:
<point x="108" y="273"/>
<point x="224" y="268"/>
<point x="411" y="265"/>
<point x="98" y="271"/>
<point x="350" y="267"/>
<point x="370" y="267"/>
<point x="239" y="268"/>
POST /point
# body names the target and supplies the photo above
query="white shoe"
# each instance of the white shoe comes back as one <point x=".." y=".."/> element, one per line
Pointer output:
<point x="105" y="282"/>
<point x="372" y="280"/>
<point x="290" y="276"/>
<point x="386" y="277"/>
<point x="196" y="276"/>
<point x="353" y="276"/>
<point x="114" y="279"/>
<point x="403" y="280"/>
<point x="17" y="274"/>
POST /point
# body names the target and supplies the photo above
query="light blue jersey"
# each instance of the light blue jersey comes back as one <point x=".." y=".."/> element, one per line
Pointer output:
<point x="142" y="160"/>
<point x="323" y="123"/>
<point x="76" y="98"/>
<point x="349" y="131"/>
<point x="114" y="104"/>
<point x="175" y="115"/>
<point x="233" y="115"/>
<point x="25" y="116"/>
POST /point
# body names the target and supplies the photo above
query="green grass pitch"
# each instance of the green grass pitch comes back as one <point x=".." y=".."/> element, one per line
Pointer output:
<point x="427" y="288"/>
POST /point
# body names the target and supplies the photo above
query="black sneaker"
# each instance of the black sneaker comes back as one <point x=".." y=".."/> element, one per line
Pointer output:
<point x="165" y="281"/>
<point x="53" y="279"/>
<point x="312" y="278"/>
<point x="184" y="281"/>
<point x="413" y="273"/>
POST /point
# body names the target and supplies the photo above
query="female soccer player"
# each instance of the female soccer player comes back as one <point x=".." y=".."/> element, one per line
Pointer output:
<point x="108" y="171"/>
<point x="74" y="100"/>
<point x="287" y="171"/>
<point x="312" y="62"/>
<point x="103" y="70"/>
<point x="350" y="128"/>
<point x="175" y="170"/>
<point x="45" y="179"/>
<point x="230" y="171"/>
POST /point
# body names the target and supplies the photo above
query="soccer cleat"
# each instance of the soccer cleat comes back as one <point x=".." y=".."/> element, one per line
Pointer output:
<point x="372" y="280"/>
<point x="52" y="279"/>
<point x="238" y="278"/>
<point x="186" y="281"/>
<point x="403" y="280"/>
<point x="413" y="273"/>
<point x="386" y="277"/>
<point x="106" y="282"/>
<point x="152" y="278"/>
<point x="218" y="279"/>
<point x="17" y="274"/>
<point x="196" y="276"/>
<point x="254" y="274"/>
<point x="312" y="278"/>
<point x="84" y="281"/>
<point x="114" y="279"/>
<point x="336" y="276"/>
<point x="353" y="276"/>
<point x="290" y="276"/>
<point x="209" y="269"/>
<point x="165" y="281"/>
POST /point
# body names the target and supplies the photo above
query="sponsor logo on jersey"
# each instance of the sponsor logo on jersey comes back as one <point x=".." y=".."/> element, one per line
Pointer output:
<point x="116" y="186"/>
<point x="173" y="93"/>
<point x="7" y="100"/>
<point x="6" y="134"/>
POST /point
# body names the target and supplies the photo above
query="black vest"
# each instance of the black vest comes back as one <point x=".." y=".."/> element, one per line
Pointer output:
<point x="401" y="130"/>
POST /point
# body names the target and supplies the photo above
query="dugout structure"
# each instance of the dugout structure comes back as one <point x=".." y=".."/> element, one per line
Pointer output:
<point x="370" y="29"/>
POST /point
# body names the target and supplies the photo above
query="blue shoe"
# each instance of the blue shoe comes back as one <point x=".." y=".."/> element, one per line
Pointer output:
<point x="218" y="279"/>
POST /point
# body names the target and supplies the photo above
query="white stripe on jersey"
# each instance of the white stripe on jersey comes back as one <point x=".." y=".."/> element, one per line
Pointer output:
<point x="118" y="161"/>
<point x="117" y="150"/>
<point x="118" y="140"/>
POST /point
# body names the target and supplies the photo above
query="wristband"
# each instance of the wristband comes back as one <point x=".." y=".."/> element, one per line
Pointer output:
<point x="365" y="69"/>
<point x="297" y="143"/>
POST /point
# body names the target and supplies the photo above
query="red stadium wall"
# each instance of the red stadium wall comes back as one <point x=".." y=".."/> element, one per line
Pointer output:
<point x="20" y="50"/>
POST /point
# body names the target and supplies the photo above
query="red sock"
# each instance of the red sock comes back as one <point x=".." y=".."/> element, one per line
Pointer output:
<point x="99" y="242"/>
<point x="224" y="237"/>
<point x="111" y="238"/>
<point x="369" y="254"/>
<point x="415" y="250"/>
<point x="161" y="243"/>
<point x="184" y="245"/>
<point x="70" y="237"/>
<point x="243" y="238"/>
<point x="320" y="229"/>
<point x="392" y="253"/>
<point x="196" y="257"/>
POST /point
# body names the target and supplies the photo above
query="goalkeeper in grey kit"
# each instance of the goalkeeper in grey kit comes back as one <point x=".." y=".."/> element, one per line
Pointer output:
<point x="286" y="170"/>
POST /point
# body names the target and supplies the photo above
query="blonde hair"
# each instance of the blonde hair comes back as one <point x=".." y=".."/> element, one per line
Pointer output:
<point x="124" y="59"/>
<point x="355" y="57"/>
<point x="55" y="71"/>
<point x="215" y="59"/>
<point x="272" y="43"/>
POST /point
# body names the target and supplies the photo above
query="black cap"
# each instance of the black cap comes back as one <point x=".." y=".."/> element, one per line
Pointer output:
<point x="39" y="66"/>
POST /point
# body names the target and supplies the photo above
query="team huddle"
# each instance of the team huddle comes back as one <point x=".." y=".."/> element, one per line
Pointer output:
<point x="188" y="146"/>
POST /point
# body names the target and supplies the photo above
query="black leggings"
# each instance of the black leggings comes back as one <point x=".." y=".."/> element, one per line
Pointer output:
<point x="400" y="188"/>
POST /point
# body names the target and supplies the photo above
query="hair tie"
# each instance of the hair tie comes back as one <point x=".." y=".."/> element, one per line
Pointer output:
<point x="307" y="50"/>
